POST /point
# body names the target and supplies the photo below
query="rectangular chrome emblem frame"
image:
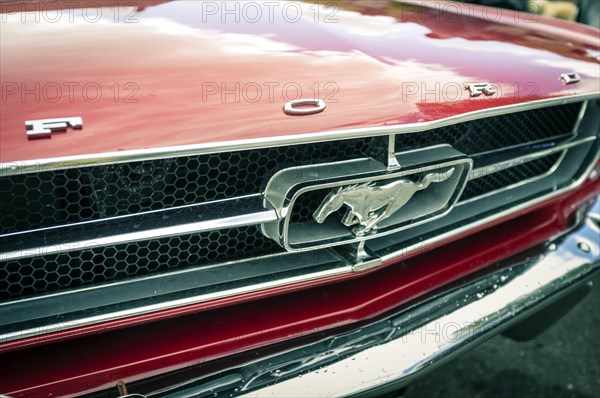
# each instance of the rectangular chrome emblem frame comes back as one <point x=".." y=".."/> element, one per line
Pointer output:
<point x="285" y="189"/>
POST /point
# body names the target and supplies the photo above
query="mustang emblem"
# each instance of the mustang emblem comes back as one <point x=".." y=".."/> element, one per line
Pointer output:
<point x="369" y="204"/>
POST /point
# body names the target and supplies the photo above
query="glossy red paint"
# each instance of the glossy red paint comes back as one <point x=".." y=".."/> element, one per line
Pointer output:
<point x="145" y="350"/>
<point x="178" y="75"/>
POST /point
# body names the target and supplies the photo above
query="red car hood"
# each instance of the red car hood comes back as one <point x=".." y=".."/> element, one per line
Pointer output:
<point x="186" y="72"/>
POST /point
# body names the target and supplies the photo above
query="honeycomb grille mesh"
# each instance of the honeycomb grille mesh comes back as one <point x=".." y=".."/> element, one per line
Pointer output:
<point x="482" y="135"/>
<point x="57" y="271"/>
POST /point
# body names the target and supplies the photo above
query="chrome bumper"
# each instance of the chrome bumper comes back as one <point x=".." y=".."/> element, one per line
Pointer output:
<point x="396" y="350"/>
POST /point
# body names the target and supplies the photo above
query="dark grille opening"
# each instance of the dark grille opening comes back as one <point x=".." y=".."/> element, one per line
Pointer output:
<point x="505" y="178"/>
<point x="482" y="135"/>
<point x="53" y="272"/>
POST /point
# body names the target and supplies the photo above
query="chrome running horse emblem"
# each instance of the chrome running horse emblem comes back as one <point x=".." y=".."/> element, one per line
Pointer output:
<point x="368" y="204"/>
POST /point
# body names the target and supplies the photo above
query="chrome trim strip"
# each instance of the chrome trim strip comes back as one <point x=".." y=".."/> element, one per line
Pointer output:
<point x="557" y="138"/>
<point x="65" y="162"/>
<point x="229" y="213"/>
<point x="409" y="344"/>
<point x="517" y="161"/>
<point x="91" y="223"/>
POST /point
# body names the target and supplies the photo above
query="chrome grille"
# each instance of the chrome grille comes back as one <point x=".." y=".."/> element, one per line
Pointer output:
<point x="186" y="229"/>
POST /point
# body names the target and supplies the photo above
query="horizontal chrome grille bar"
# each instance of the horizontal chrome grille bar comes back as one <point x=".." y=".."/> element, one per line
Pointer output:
<point x="523" y="154"/>
<point x="211" y="216"/>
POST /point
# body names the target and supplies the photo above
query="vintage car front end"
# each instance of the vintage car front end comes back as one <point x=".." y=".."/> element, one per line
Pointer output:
<point x="294" y="199"/>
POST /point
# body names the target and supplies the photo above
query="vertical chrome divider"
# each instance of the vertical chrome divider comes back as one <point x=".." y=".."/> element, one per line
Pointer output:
<point x="584" y="106"/>
<point x="392" y="162"/>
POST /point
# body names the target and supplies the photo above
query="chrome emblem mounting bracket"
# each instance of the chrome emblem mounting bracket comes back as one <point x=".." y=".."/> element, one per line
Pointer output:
<point x="45" y="127"/>
<point x="351" y="201"/>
